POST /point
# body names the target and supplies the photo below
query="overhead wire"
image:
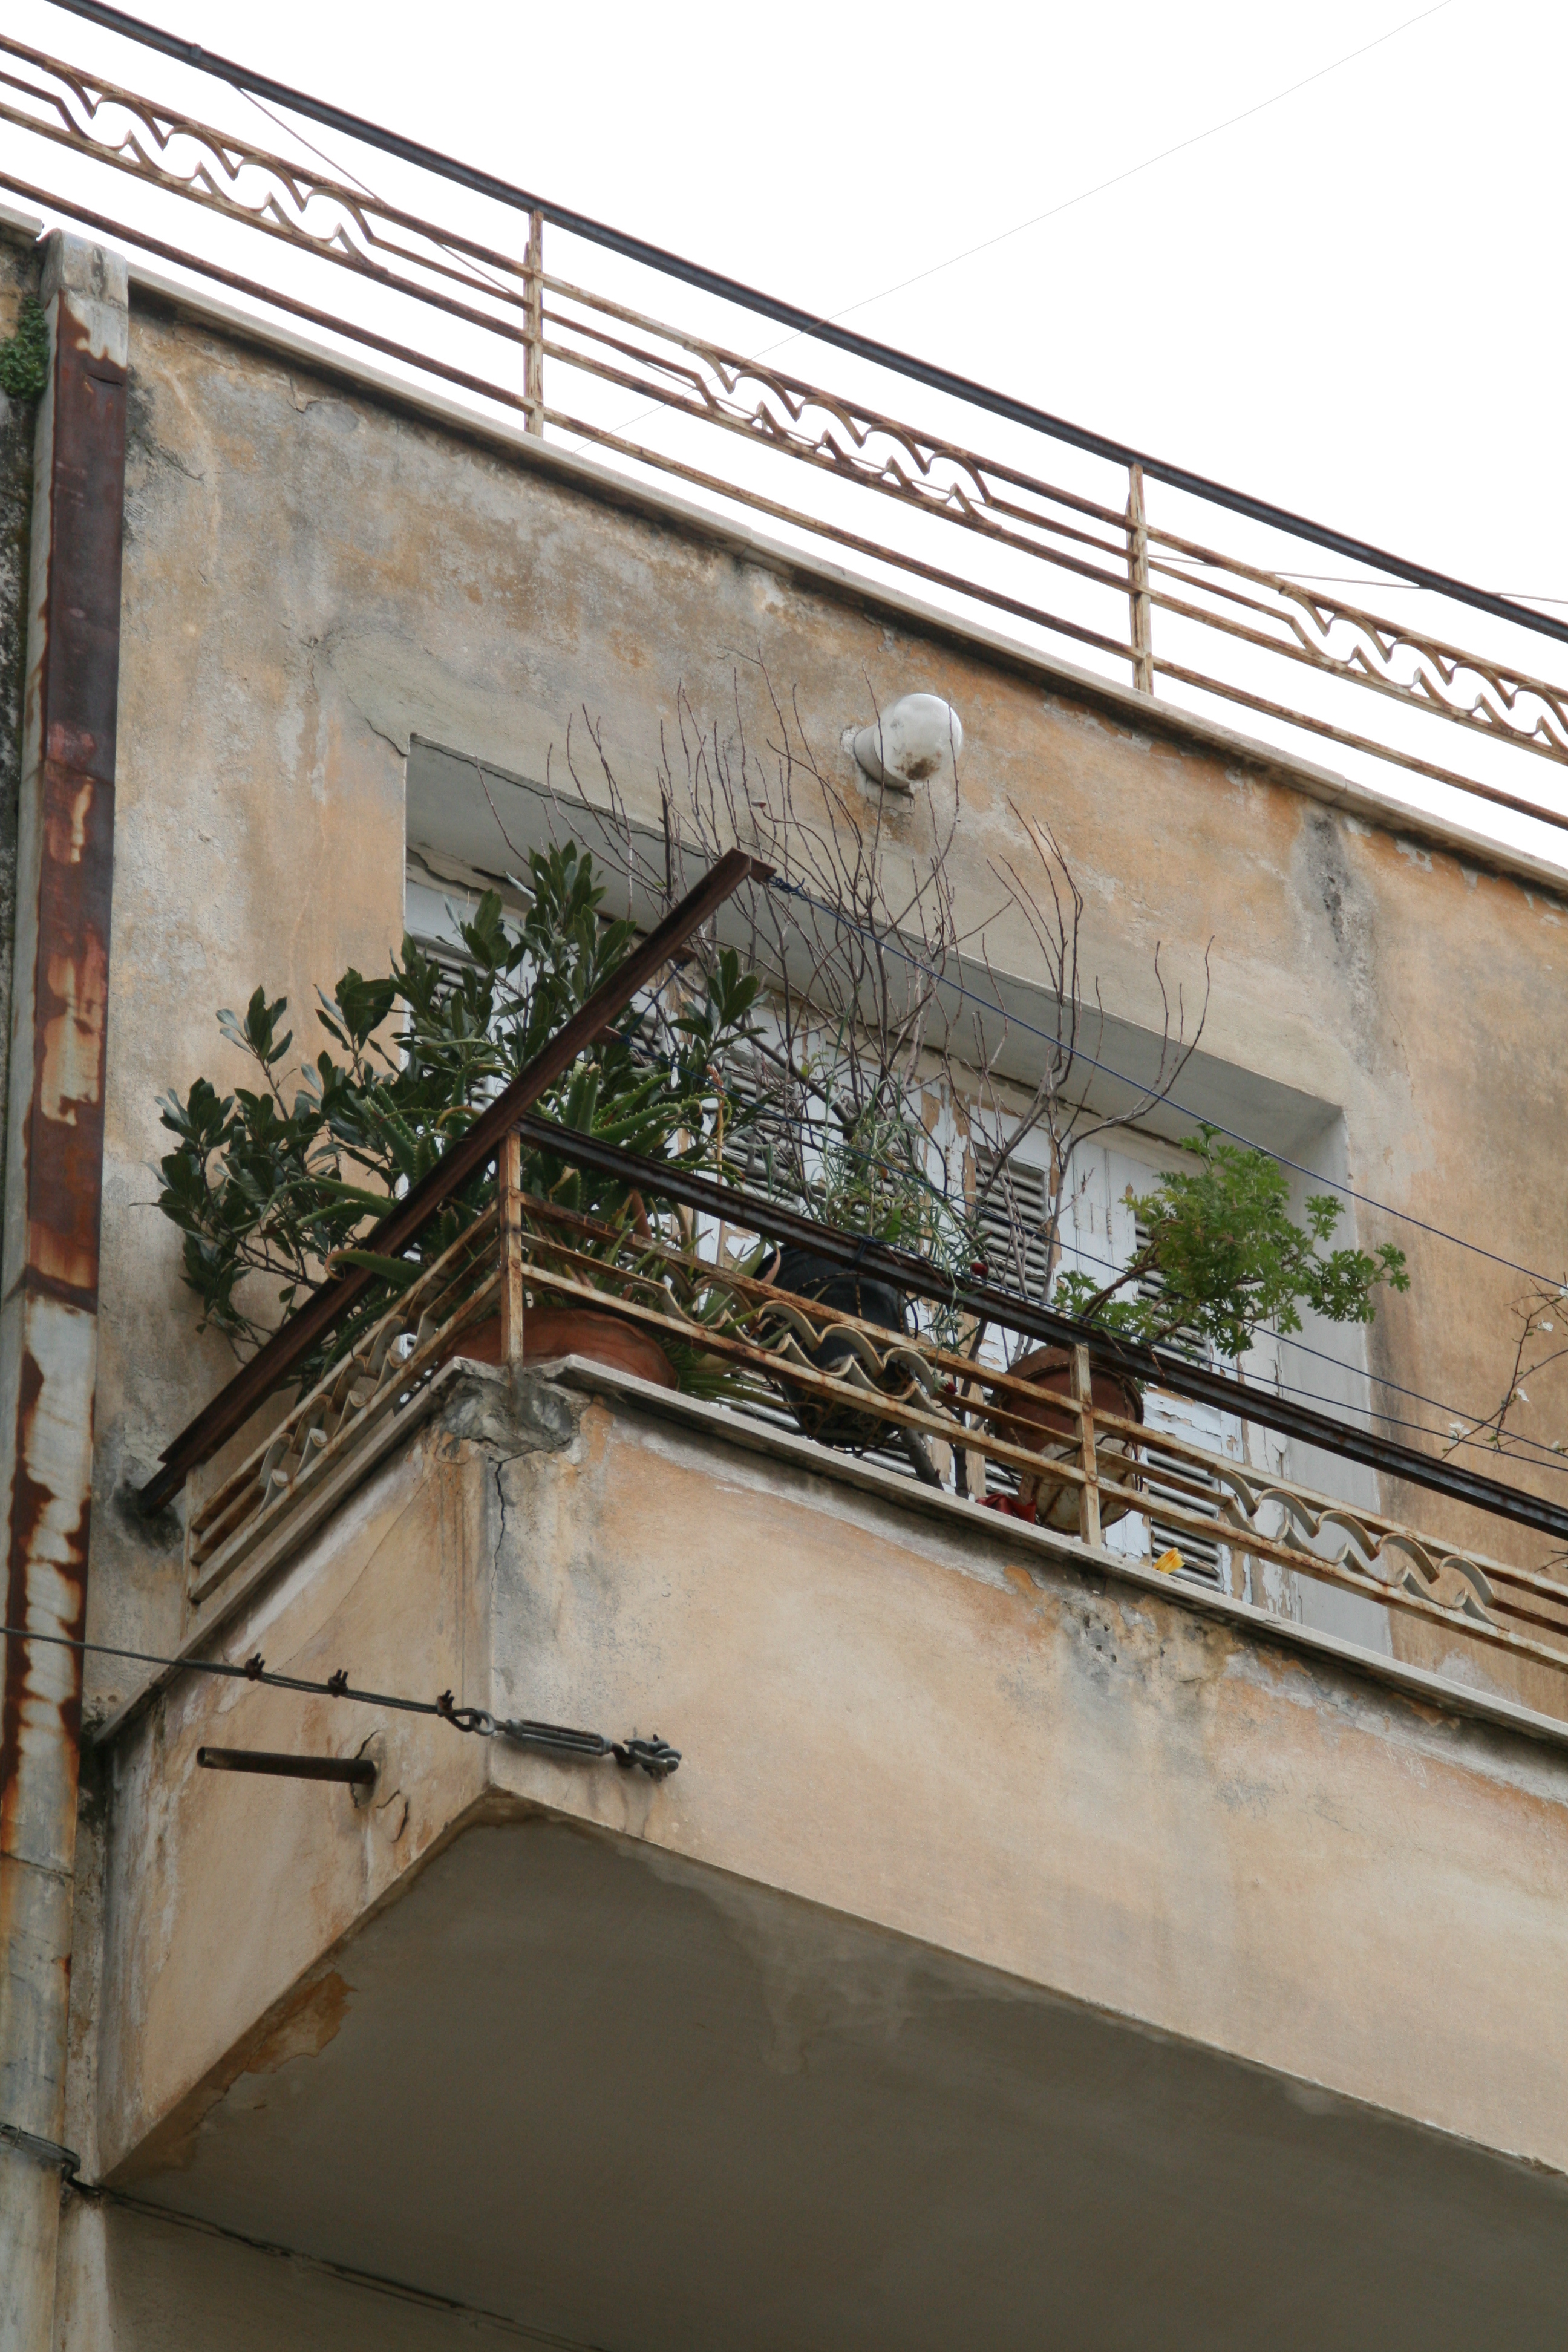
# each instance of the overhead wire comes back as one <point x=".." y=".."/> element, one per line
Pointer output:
<point x="1133" y="171"/>
<point x="798" y="318"/>
<point x="1084" y="195"/>
<point x="1551" y="1456"/>
<point x="1541" y="1455"/>
<point x="886" y="945"/>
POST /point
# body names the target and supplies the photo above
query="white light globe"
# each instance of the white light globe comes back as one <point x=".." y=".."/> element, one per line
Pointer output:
<point x="911" y="743"/>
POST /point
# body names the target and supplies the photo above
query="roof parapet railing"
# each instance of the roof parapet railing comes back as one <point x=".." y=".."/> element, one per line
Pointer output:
<point x="1079" y="563"/>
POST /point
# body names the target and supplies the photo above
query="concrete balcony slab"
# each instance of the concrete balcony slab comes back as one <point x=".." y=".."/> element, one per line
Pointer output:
<point x="1016" y="1951"/>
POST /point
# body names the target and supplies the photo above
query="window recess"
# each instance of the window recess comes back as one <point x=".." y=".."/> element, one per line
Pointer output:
<point x="1101" y="1234"/>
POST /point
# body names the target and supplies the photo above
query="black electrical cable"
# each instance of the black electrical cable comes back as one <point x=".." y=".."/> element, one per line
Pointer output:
<point x="804" y="322"/>
<point x="1551" y="1457"/>
<point x="1540" y="1457"/>
<point x="1017" y="1021"/>
<point x="1548" y="1459"/>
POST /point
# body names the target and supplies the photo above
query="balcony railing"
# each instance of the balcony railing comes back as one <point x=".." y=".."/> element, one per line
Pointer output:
<point x="1049" y="525"/>
<point x="842" y="1381"/>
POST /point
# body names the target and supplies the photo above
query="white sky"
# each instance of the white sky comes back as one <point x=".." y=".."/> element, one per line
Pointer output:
<point x="1347" y="302"/>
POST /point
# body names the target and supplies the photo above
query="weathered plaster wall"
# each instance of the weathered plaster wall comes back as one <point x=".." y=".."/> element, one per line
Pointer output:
<point x="312" y="574"/>
<point x="946" y="1733"/>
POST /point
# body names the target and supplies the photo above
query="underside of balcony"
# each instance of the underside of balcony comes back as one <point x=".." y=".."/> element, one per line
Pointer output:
<point x="636" y="2102"/>
<point x="984" y="1961"/>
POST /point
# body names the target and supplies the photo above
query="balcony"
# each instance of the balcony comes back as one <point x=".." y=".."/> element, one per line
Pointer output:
<point x="1108" y="1878"/>
<point x="1008" y="1883"/>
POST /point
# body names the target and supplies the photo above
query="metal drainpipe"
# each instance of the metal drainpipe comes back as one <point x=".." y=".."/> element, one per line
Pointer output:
<point x="49" y="1288"/>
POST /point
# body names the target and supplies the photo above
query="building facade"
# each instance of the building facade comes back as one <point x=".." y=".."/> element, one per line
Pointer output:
<point x="1033" y="1944"/>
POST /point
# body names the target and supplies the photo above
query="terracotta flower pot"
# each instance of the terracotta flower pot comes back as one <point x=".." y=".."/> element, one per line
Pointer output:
<point x="550" y="1331"/>
<point x="1052" y="1432"/>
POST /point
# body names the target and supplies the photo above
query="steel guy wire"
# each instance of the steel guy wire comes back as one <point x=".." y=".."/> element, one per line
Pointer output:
<point x="654" y="1754"/>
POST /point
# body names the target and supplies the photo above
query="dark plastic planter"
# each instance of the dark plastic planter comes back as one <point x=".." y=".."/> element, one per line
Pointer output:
<point x="829" y="1284"/>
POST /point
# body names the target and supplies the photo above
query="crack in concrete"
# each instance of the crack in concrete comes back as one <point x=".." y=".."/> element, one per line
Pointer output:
<point x="498" y="1465"/>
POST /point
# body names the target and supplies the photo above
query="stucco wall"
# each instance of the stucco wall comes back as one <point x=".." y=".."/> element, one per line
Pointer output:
<point x="951" y="1733"/>
<point x="312" y="572"/>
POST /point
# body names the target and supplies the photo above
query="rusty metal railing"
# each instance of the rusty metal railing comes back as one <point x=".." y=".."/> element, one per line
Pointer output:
<point x="328" y="1306"/>
<point x="1070" y="553"/>
<point x="1064" y="1456"/>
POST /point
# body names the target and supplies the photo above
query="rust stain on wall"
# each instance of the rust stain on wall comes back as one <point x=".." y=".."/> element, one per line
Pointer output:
<point x="49" y="1683"/>
<point x="307" y="2020"/>
<point x="300" y="2025"/>
<point x="73" y="689"/>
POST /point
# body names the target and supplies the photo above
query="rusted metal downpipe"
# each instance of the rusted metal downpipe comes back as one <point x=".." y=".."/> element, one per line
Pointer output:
<point x="54" y="1189"/>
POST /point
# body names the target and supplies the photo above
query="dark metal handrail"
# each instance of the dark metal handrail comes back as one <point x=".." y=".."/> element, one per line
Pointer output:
<point x="991" y="1302"/>
<point x="273" y="1363"/>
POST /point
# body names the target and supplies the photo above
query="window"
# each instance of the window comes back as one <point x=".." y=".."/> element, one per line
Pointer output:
<point x="1101" y="1234"/>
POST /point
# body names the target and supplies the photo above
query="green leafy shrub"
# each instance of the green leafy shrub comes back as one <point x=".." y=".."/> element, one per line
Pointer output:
<point x="24" y="356"/>
<point x="268" y="1182"/>
<point x="1223" y="1258"/>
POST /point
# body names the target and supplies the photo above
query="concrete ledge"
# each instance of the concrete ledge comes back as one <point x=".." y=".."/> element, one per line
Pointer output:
<point x="1018" y="1538"/>
<point x="19" y="229"/>
<point x="316" y="1502"/>
<point x="900" y="1496"/>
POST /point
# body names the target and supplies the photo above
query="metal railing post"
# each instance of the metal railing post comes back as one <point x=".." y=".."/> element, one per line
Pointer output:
<point x="1088" y="1455"/>
<point x="509" y="1186"/>
<point x="1138" y="584"/>
<point x="533" y="327"/>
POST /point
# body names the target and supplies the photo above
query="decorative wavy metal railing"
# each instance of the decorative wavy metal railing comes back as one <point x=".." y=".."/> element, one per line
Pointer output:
<point x="401" y="1350"/>
<point x="1226" y="623"/>
<point x="844" y="1382"/>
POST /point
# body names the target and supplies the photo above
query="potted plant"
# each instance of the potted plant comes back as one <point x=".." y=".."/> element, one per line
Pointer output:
<point x="1222" y="1259"/>
<point x="880" y="1068"/>
<point x="875" y="1180"/>
<point x="270" y="1184"/>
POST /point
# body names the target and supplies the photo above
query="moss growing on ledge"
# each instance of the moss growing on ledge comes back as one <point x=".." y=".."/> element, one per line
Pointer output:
<point x="24" y="356"/>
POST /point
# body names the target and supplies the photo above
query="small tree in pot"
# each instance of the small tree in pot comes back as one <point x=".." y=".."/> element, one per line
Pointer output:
<point x="271" y="1182"/>
<point x="1221" y="1260"/>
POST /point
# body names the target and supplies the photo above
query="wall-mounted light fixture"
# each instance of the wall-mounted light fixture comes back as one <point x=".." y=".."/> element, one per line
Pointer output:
<point x="909" y="743"/>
